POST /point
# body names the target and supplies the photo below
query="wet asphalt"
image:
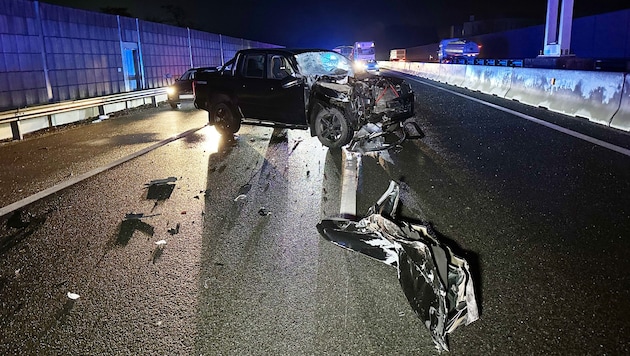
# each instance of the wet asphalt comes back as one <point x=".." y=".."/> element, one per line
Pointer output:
<point x="225" y="259"/>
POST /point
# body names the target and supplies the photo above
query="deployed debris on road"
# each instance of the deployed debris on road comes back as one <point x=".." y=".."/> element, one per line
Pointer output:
<point x="437" y="284"/>
<point x="160" y="189"/>
<point x="175" y="230"/>
<point x="159" y="249"/>
<point x="131" y="223"/>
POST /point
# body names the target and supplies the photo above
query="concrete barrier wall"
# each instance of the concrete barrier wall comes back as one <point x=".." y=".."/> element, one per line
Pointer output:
<point x="32" y="125"/>
<point x="5" y="131"/>
<point x="453" y="74"/>
<point x="621" y="119"/>
<point x="490" y="80"/>
<point x="601" y="97"/>
<point x="72" y="116"/>
<point x="592" y="95"/>
<point x="110" y="108"/>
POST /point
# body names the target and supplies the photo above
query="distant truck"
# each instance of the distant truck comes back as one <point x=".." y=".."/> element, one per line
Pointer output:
<point x="455" y="48"/>
<point x="347" y="51"/>
<point x="365" y="56"/>
<point x="398" y="55"/>
<point x="364" y="51"/>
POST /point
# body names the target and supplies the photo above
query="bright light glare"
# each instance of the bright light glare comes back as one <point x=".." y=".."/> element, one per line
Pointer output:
<point x="360" y="66"/>
<point x="170" y="90"/>
<point x="213" y="138"/>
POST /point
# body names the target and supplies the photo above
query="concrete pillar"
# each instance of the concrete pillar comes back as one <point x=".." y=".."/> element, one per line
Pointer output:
<point x="558" y="28"/>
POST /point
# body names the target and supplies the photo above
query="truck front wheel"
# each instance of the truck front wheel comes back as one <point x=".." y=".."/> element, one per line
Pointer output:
<point x="224" y="118"/>
<point x="332" y="128"/>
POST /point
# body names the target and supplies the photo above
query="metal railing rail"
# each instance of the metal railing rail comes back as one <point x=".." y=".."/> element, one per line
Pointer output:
<point x="51" y="109"/>
<point x="13" y="117"/>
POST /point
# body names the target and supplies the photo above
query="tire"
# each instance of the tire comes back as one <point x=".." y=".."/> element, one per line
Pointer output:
<point x="223" y="117"/>
<point x="332" y="128"/>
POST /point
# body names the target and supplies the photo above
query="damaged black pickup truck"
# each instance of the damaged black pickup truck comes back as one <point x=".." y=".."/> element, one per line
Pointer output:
<point x="304" y="89"/>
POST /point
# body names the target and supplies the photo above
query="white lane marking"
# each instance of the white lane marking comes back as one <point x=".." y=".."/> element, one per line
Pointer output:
<point x="349" y="183"/>
<point x="604" y="144"/>
<point x="52" y="190"/>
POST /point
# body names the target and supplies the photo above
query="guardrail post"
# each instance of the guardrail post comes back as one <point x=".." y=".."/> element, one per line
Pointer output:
<point x="15" y="130"/>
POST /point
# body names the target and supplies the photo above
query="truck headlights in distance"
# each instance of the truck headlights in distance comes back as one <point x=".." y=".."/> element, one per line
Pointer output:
<point x="170" y="91"/>
<point x="360" y="66"/>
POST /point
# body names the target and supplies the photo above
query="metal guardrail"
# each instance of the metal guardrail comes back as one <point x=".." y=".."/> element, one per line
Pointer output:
<point x="16" y="115"/>
<point x="51" y="109"/>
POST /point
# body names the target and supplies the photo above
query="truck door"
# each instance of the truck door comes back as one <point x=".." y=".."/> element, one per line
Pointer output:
<point x="270" y="91"/>
<point x="253" y="87"/>
<point x="286" y="95"/>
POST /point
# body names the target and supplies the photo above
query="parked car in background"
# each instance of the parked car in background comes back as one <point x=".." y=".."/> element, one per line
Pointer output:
<point x="182" y="89"/>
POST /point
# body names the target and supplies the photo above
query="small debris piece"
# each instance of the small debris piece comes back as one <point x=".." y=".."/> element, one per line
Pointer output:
<point x="138" y="216"/>
<point x="297" y="142"/>
<point x="240" y="197"/>
<point x="174" y="231"/>
<point x="162" y="181"/>
<point x="132" y="216"/>
<point x="263" y="211"/>
<point x="161" y="243"/>
<point x="73" y="296"/>
<point x="244" y="189"/>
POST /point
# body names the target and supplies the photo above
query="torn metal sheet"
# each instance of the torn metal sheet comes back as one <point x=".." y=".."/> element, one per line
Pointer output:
<point x="437" y="283"/>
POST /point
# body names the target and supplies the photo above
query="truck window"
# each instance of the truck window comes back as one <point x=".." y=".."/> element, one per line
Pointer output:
<point x="279" y="67"/>
<point x="254" y="66"/>
<point x="228" y="67"/>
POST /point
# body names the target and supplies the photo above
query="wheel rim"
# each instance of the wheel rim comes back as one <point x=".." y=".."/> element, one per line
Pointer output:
<point x="330" y="128"/>
<point x="223" y="115"/>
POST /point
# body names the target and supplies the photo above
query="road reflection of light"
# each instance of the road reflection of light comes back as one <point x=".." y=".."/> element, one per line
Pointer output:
<point x="213" y="139"/>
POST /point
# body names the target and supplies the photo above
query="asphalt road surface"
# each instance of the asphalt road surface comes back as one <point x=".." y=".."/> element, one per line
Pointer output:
<point x="223" y="258"/>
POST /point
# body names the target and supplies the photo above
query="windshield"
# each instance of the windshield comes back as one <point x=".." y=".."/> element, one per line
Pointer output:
<point x="324" y="63"/>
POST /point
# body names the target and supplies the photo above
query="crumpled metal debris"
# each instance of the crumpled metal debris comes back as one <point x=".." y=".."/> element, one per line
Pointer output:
<point x="382" y="136"/>
<point x="437" y="283"/>
<point x="263" y="211"/>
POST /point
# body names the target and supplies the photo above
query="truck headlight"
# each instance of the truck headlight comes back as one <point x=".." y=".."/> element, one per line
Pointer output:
<point x="360" y="66"/>
<point x="170" y="91"/>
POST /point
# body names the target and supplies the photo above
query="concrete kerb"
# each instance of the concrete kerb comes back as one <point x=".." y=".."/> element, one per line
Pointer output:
<point x="621" y="119"/>
<point x="592" y="95"/>
<point x="489" y="80"/>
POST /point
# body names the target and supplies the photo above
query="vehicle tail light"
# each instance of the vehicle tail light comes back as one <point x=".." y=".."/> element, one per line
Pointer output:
<point x="193" y="87"/>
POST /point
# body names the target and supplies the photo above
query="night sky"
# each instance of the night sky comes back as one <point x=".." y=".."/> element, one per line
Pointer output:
<point x="327" y="23"/>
